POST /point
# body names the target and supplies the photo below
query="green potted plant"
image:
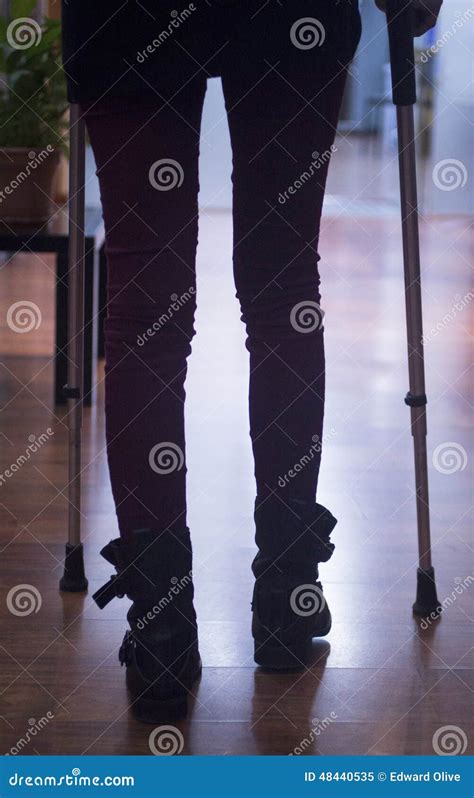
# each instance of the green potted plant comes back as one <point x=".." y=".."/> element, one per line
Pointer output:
<point x="32" y="113"/>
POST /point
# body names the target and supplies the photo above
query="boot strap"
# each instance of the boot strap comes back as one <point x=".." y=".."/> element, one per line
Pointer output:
<point x="127" y="649"/>
<point x="114" y="588"/>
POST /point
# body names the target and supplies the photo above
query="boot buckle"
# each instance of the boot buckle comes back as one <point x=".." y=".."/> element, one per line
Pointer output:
<point x="112" y="589"/>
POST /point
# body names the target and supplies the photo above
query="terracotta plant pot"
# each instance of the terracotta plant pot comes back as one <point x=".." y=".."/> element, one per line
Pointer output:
<point x="27" y="177"/>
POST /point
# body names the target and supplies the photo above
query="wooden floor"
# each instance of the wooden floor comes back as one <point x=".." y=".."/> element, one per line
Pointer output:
<point x="380" y="684"/>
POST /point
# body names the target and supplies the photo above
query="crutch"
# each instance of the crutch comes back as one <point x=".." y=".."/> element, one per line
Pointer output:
<point x="74" y="579"/>
<point x="400" y="20"/>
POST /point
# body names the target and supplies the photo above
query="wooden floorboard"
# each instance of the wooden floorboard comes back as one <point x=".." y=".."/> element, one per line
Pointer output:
<point x="380" y="683"/>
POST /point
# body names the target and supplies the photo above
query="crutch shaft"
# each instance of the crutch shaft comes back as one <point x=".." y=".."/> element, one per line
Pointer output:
<point x="414" y="319"/>
<point x="400" y="20"/>
<point x="76" y="320"/>
<point x="74" y="579"/>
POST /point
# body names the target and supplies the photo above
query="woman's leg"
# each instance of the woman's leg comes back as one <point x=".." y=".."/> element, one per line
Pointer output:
<point x="147" y="164"/>
<point x="282" y="116"/>
<point x="282" y="142"/>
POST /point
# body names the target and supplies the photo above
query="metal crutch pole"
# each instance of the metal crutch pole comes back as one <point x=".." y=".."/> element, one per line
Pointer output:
<point x="74" y="579"/>
<point x="400" y="20"/>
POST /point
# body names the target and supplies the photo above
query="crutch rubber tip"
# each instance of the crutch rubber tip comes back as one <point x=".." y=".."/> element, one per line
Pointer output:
<point x="427" y="602"/>
<point x="74" y="578"/>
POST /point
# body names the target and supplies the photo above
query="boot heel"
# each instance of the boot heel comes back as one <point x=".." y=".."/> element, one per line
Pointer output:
<point x="279" y="657"/>
<point x="152" y="710"/>
<point x="172" y="704"/>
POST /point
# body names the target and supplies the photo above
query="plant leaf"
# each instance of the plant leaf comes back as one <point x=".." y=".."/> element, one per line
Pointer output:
<point x="22" y="8"/>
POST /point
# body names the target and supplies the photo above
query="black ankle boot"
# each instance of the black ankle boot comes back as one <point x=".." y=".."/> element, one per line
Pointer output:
<point x="160" y="651"/>
<point x="289" y="607"/>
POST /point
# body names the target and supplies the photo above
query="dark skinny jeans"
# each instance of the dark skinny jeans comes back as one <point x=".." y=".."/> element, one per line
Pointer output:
<point x="282" y="125"/>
